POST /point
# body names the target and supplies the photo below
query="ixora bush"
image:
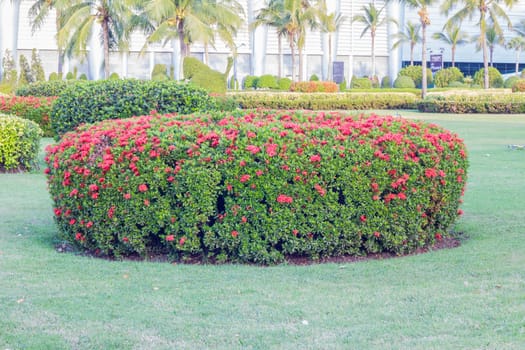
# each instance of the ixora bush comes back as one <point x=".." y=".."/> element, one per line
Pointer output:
<point x="94" y="101"/>
<point x="32" y="108"/>
<point x="256" y="187"/>
<point x="314" y="86"/>
<point x="19" y="143"/>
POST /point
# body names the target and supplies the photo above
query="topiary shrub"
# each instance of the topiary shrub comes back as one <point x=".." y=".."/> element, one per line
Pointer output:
<point x="314" y="86"/>
<point x="83" y="76"/>
<point x="36" y="109"/>
<point x="37" y="70"/>
<point x="159" y="72"/>
<point x="26" y="77"/>
<point x="257" y="187"/>
<point x="360" y="83"/>
<point x="54" y="76"/>
<point x="284" y="84"/>
<point x="45" y="88"/>
<point x="314" y="77"/>
<point x="519" y="86"/>
<point x="19" y="145"/>
<point x="385" y="82"/>
<point x="444" y="77"/>
<point x="509" y="83"/>
<point x="250" y="82"/>
<point x="114" y="76"/>
<point x="94" y="101"/>
<point x="267" y="81"/>
<point x="404" y="82"/>
<point x="495" y="78"/>
<point x="342" y="85"/>
<point x="203" y="76"/>
<point x="416" y="73"/>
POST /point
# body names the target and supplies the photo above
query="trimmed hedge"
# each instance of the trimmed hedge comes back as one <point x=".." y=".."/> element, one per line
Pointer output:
<point x="94" y="101"/>
<point x="478" y="103"/>
<point x="258" y="187"/>
<point x="444" y="77"/>
<point x="19" y="143"/>
<point x="46" y="88"/>
<point x="360" y="83"/>
<point x="314" y="86"/>
<point x="203" y="76"/>
<point x="267" y="81"/>
<point x="32" y="108"/>
<point x="416" y="73"/>
<point x="519" y="86"/>
<point x="404" y="82"/>
<point x="325" y="101"/>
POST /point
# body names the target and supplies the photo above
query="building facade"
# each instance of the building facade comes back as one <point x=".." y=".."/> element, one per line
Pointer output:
<point x="258" y="50"/>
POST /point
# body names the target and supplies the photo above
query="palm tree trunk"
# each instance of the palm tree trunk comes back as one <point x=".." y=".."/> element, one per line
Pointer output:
<point x="412" y="54"/>
<point x="373" y="34"/>
<point x="293" y="57"/>
<point x="280" y="48"/>
<point x="301" y="62"/>
<point x="60" y="51"/>
<point x="105" y="34"/>
<point x="183" y="46"/>
<point x="485" y="52"/>
<point x="453" y="56"/>
<point x="424" y="59"/>
<point x="206" y="54"/>
<point x="491" y="50"/>
<point x="330" y="64"/>
<point x="517" y="61"/>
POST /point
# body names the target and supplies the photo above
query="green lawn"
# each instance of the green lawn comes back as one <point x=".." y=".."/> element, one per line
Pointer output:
<point x="471" y="297"/>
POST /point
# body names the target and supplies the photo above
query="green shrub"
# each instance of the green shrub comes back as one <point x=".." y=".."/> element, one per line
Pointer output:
<point x="458" y="84"/>
<point x="250" y="82"/>
<point x="25" y="71"/>
<point x="314" y="77"/>
<point x="404" y="82"/>
<point x="314" y="86"/>
<point x="385" y="82"/>
<point x="37" y="70"/>
<point x="509" y="83"/>
<point x="519" y="86"/>
<point x="479" y="103"/>
<point x="54" y="76"/>
<point x="375" y="82"/>
<point x="267" y="81"/>
<point x="444" y="77"/>
<point x="495" y="78"/>
<point x="159" y="72"/>
<point x="284" y="84"/>
<point x="114" y="76"/>
<point x="45" y="88"/>
<point x="19" y="145"/>
<point x="70" y="76"/>
<point x="360" y="83"/>
<point x="326" y="101"/>
<point x="342" y="85"/>
<point x="83" y="76"/>
<point x="94" y="101"/>
<point x="416" y="73"/>
<point x="203" y="76"/>
<point x="36" y="109"/>
<point x="256" y="188"/>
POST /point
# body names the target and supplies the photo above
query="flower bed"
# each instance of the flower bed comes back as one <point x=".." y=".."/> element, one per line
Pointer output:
<point x="36" y="109"/>
<point x="257" y="187"/>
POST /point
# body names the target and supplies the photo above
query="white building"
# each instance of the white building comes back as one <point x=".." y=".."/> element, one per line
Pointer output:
<point x="258" y="53"/>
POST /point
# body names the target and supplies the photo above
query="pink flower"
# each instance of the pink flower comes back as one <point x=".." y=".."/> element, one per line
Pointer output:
<point x="93" y="188"/>
<point x="143" y="188"/>
<point x="430" y="173"/>
<point x="271" y="149"/>
<point x="170" y="238"/>
<point x="282" y="198"/>
<point x="182" y="240"/>
<point x="377" y="234"/>
<point x="259" y="172"/>
<point x="127" y="195"/>
<point x="438" y="236"/>
<point x="315" y="158"/>
<point x="362" y="218"/>
<point x="253" y="149"/>
<point x="235" y="234"/>
<point x="245" y="178"/>
<point x="125" y="239"/>
<point x="320" y="190"/>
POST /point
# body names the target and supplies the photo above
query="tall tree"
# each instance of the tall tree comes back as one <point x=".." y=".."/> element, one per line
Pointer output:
<point x="116" y="18"/>
<point x="517" y="44"/>
<point x="411" y="36"/>
<point x="273" y="15"/>
<point x="372" y="18"/>
<point x="452" y="36"/>
<point x="486" y="10"/>
<point x="299" y="16"/>
<point x="422" y="10"/>
<point x="329" y="23"/>
<point x="492" y="38"/>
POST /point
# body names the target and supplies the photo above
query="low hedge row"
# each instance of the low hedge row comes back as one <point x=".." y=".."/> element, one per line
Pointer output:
<point x="325" y="101"/>
<point x="19" y="143"/>
<point x="32" y="108"/>
<point x="314" y="86"/>
<point x="46" y="88"/>
<point x="479" y="103"/>
<point x="94" y="101"/>
<point x="256" y="187"/>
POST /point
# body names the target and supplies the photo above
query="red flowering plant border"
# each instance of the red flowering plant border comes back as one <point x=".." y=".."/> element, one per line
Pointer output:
<point x="258" y="187"/>
<point x="37" y="109"/>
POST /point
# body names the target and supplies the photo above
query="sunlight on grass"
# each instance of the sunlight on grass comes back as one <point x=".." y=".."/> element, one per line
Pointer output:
<point x="471" y="297"/>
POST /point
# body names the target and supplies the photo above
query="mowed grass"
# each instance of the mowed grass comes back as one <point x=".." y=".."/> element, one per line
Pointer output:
<point x="471" y="297"/>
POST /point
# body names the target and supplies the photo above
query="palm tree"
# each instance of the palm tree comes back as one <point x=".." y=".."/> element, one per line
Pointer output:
<point x="371" y="19"/>
<point x="273" y="15"/>
<point x="518" y="44"/>
<point x="410" y="35"/>
<point x="116" y="18"/>
<point x="486" y="10"/>
<point x="329" y="23"/>
<point x="422" y="10"/>
<point x="298" y="15"/>
<point x="190" y="21"/>
<point x="452" y="36"/>
<point x="492" y="39"/>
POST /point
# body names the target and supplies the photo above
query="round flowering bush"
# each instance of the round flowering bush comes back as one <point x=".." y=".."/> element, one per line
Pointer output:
<point x="258" y="187"/>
